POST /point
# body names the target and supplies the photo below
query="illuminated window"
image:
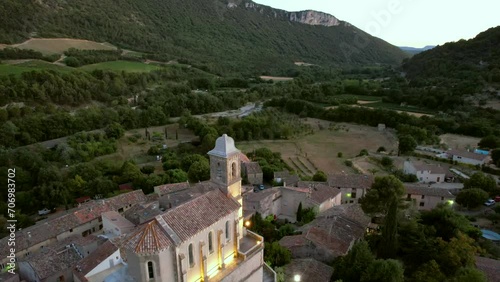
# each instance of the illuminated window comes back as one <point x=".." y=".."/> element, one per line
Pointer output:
<point x="151" y="272"/>
<point x="191" y="258"/>
<point x="210" y="243"/>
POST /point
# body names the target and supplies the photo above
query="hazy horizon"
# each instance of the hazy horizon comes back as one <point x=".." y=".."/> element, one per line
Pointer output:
<point x="409" y="23"/>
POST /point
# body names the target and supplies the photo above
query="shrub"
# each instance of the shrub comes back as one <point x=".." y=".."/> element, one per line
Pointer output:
<point x="348" y="163"/>
<point x="381" y="149"/>
<point x="339" y="154"/>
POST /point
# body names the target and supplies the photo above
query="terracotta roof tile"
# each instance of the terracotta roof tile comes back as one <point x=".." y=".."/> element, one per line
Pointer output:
<point x="150" y="238"/>
<point x="351" y="181"/>
<point x="244" y="158"/>
<point x="309" y="270"/>
<point x="321" y="193"/>
<point x="171" y="188"/>
<point x="88" y="263"/>
<point x="202" y="212"/>
<point x="434" y="169"/>
<point x="294" y="241"/>
<point x="420" y="190"/>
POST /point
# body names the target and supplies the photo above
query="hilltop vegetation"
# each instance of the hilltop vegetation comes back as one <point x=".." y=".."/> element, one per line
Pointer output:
<point x="475" y="60"/>
<point x="224" y="39"/>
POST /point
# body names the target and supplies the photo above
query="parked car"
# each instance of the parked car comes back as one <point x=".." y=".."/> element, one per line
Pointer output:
<point x="497" y="199"/>
<point x="44" y="211"/>
<point x="262" y="187"/>
<point x="489" y="203"/>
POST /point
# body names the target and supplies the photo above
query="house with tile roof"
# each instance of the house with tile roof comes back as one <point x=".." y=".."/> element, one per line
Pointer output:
<point x="308" y="270"/>
<point x="353" y="187"/>
<point x="201" y="238"/>
<point x="99" y="264"/>
<point x="425" y="173"/>
<point x="83" y="220"/>
<point x="467" y="157"/>
<point x="56" y="262"/>
<point x="427" y="198"/>
<point x="330" y="235"/>
<point x="253" y="173"/>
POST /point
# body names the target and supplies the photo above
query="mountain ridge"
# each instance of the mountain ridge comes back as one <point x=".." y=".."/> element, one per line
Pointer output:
<point x="232" y="36"/>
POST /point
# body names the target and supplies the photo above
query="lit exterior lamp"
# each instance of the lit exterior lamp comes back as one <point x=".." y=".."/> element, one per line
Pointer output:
<point x="248" y="223"/>
<point x="348" y="195"/>
<point x="296" y="278"/>
<point x="451" y="202"/>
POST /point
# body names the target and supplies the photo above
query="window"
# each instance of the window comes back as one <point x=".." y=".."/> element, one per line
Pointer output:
<point x="421" y="204"/>
<point x="353" y="195"/>
<point x="210" y="243"/>
<point x="151" y="271"/>
<point x="219" y="171"/>
<point x="227" y="230"/>
<point x="442" y="198"/>
<point x="120" y="210"/>
<point x="71" y="230"/>
<point x="191" y="258"/>
<point x="423" y="196"/>
<point x="233" y="170"/>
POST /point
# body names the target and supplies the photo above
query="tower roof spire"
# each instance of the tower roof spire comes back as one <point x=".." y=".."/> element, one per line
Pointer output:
<point x="224" y="147"/>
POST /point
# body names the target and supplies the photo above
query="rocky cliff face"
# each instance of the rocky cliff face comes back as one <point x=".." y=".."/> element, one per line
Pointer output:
<point x="313" y="18"/>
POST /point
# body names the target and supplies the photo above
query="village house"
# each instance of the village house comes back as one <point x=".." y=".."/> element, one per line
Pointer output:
<point x="99" y="264"/>
<point x="115" y="224"/>
<point x="308" y="270"/>
<point x="426" y="198"/>
<point x="253" y="173"/>
<point x="467" y="157"/>
<point x="353" y="187"/>
<point x="425" y="173"/>
<point x="202" y="238"/>
<point x="285" y="178"/>
<point x="83" y="221"/>
<point x="55" y="263"/>
<point x="284" y="201"/>
<point x="330" y="235"/>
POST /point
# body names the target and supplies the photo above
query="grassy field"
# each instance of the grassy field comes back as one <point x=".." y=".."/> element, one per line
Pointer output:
<point x="121" y="66"/>
<point x="32" y="65"/>
<point x="460" y="142"/>
<point x="360" y="97"/>
<point x="319" y="151"/>
<point x="395" y="107"/>
<point x="58" y="45"/>
<point x="128" y="149"/>
<point x="276" y="78"/>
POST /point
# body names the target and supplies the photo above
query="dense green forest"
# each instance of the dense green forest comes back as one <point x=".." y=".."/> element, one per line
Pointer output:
<point x="476" y="61"/>
<point x="255" y="39"/>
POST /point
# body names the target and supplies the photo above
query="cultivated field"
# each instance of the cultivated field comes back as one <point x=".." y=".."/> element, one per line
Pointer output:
<point x="276" y="78"/>
<point x="459" y="141"/>
<point x="319" y="150"/>
<point x="30" y="65"/>
<point x="121" y="66"/>
<point x="59" y="45"/>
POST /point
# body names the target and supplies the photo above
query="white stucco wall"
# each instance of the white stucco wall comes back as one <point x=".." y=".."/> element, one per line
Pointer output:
<point x="107" y="263"/>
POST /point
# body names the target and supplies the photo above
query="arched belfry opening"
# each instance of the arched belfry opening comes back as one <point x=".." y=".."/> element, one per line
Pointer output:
<point x="234" y="170"/>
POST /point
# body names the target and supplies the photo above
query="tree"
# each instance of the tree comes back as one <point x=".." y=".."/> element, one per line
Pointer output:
<point x="468" y="274"/>
<point x="385" y="196"/>
<point x="457" y="253"/>
<point x="276" y="255"/>
<point x="384" y="270"/>
<point x="406" y="144"/>
<point x="481" y="181"/>
<point x="447" y="223"/>
<point x="428" y="272"/>
<point x="351" y="266"/>
<point x="199" y="171"/>
<point x="471" y="198"/>
<point x="177" y="175"/>
<point x="381" y="149"/>
<point x="489" y="142"/>
<point x="319" y="176"/>
<point x="387" y="162"/>
<point x="299" y="212"/>
<point x="495" y="156"/>
<point x="114" y="130"/>
<point x="148" y="169"/>
<point x="187" y="161"/>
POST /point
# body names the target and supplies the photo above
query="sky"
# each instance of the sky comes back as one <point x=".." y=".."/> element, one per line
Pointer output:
<point x="414" y="23"/>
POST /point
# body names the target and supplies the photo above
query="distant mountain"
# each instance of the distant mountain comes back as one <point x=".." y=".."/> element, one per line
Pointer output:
<point x="413" y="50"/>
<point x="223" y="35"/>
<point x="472" y="60"/>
